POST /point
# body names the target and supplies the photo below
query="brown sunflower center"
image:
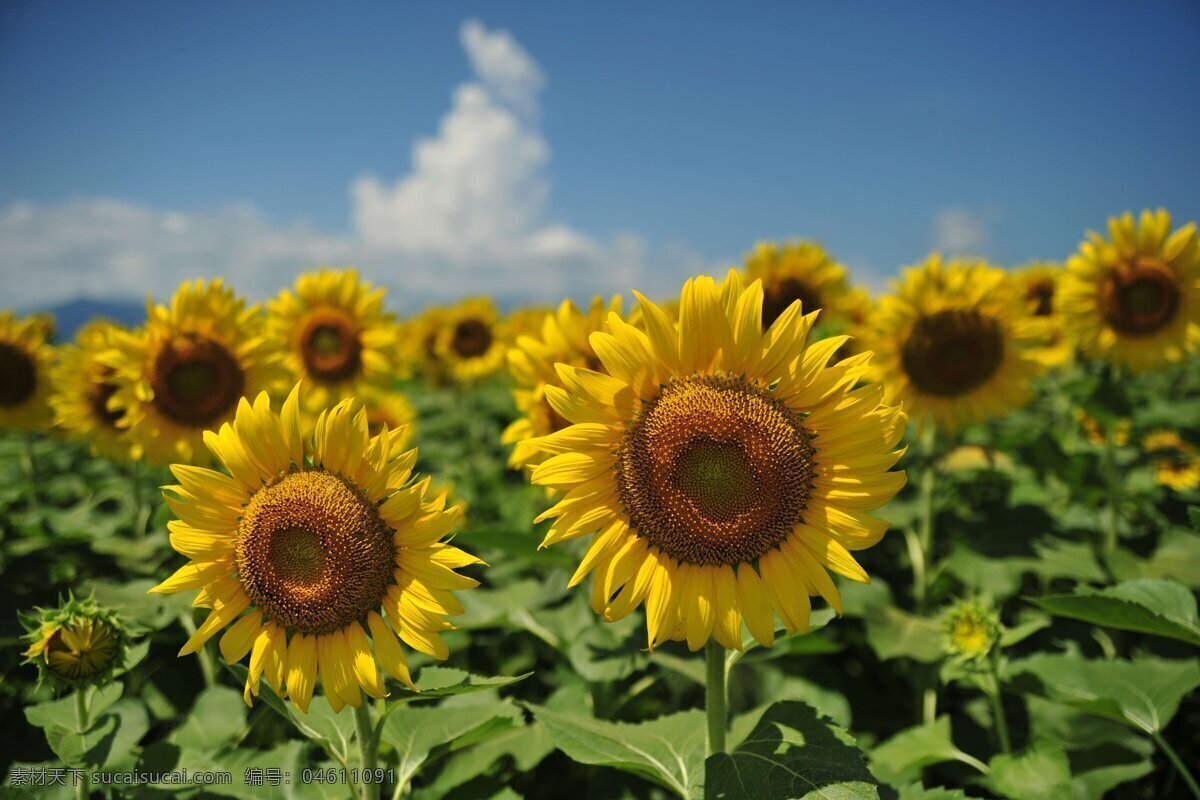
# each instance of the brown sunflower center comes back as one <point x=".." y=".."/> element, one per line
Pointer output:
<point x="102" y="392"/>
<point x="18" y="375"/>
<point x="952" y="352"/>
<point x="1042" y="295"/>
<point x="331" y="346"/>
<point x="1140" y="299"/>
<point x="313" y="553"/>
<point x="715" y="471"/>
<point x="782" y="293"/>
<point x="472" y="338"/>
<point x="196" y="380"/>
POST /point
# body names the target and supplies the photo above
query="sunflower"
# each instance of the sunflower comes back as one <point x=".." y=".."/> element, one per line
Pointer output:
<point x="83" y="394"/>
<point x="392" y="410"/>
<point x="971" y="629"/>
<point x="303" y="542"/>
<point x="77" y="644"/>
<point x="470" y="342"/>
<point x="563" y="339"/>
<point x="1038" y="284"/>
<point x="1095" y="432"/>
<point x="1176" y="464"/>
<point x="954" y="345"/>
<point x="1134" y="299"/>
<point x="335" y="335"/>
<point x="722" y="468"/>
<point x="793" y="271"/>
<point x="418" y="342"/>
<point x="185" y="371"/>
<point x="25" y="362"/>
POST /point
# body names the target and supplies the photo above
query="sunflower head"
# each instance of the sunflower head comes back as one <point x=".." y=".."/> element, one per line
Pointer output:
<point x="1098" y="433"/>
<point x="335" y="335"/>
<point x="83" y="393"/>
<point x="721" y="469"/>
<point x="470" y="341"/>
<point x="564" y="337"/>
<point x="953" y="343"/>
<point x="186" y="370"/>
<point x="1176" y="463"/>
<point x="25" y="365"/>
<point x="298" y="548"/>
<point x="391" y="410"/>
<point x="77" y="644"/>
<point x="1133" y="298"/>
<point x="971" y="629"/>
<point x="794" y="271"/>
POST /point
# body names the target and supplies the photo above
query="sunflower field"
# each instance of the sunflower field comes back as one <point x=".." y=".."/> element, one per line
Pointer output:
<point x="776" y="536"/>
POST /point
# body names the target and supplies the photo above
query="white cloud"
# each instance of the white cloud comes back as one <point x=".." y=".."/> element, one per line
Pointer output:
<point x="957" y="230"/>
<point x="470" y="217"/>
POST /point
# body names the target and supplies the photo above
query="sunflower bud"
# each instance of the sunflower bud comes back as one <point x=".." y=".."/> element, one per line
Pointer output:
<point x="78" y="644"/>
<point x="971" y="630"/>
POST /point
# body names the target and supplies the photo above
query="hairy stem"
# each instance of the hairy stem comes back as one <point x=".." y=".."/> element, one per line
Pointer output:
<point x="714" y="696"/>
<point x="368" y="789"/>
<point x="1177" y="762"/>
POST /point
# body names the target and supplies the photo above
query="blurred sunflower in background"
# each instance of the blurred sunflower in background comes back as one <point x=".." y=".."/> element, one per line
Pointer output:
<point x="335" y="335"/>
<point x="83" y="394"/>
<point x="470" y="342"/>
<point x="954" y="345"/>
<point x="794" y="271"/>
<point x="1038" y="284"/>
<point x="25" y="365"/>
<point x="297" y="548"/>
<point x="564" y="337"/>
<point x="185" y="371"/>
<point x="390" y="409"/>
<point x="1096" y="433"/>
<point x="1176" y="464"/>
<point x="1133" y="299"/>
<point x="723" y="467"/>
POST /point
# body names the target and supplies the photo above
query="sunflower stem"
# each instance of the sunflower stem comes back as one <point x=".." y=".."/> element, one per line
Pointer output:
<point x="82" y="785"/>
<point x="29" y="467"/>
<point x="714" y="696"/>
<point x="999" y="720"/>
<point x="368" y="789"/>
<point x="206" y="664"/>
<point x="138" y="499"/>
<point x="921" y="554"/>
<point x="1110" y="506"/>
<point x="1177" y="762"/>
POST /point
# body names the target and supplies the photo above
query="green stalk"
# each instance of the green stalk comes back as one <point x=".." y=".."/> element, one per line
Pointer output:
<point x="1177" y="762"/>
<point x="714" y="696"/>
<point x="999" y="720"/>
<point x="206" y="664"/>
<point x="29" y="466"/>
<point x="83" y="787"/>
<point x="367" y="790"/>
<point x="138" y="499"/>
<point x="1110" y="506"/>
<point x="920" y="549"/>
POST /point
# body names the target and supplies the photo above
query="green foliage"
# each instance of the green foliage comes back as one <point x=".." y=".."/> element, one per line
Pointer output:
<point x="1156" y="607"/>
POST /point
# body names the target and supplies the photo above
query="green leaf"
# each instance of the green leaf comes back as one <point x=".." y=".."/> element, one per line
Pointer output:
<point x="668" y="750"/>
<point x="1177" y="557"/>
<point x="132" y="724"/>
<point x="1040" y="773"/>
<point x="901" y="758"/>
<point x="1143" y="693"/>
<point x="895" y="633"/>
<point x="1098" y="782"/>
<point x="446" y="682"/>
<point x="791" y="753"/>
<point x="61" y="713"/>
<point x="916" y="791"/>
<point x="414" y="732"/>
<point x="216" y="718"/>
<point x="1156" y="607"/>
<point x="526" y="746"/>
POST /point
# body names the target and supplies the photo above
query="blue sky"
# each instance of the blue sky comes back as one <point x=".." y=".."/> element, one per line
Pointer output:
<point x="658" y="138"/>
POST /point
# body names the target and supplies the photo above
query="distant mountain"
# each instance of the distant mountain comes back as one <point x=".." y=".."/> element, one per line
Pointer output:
<point x="72" y="315"/>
